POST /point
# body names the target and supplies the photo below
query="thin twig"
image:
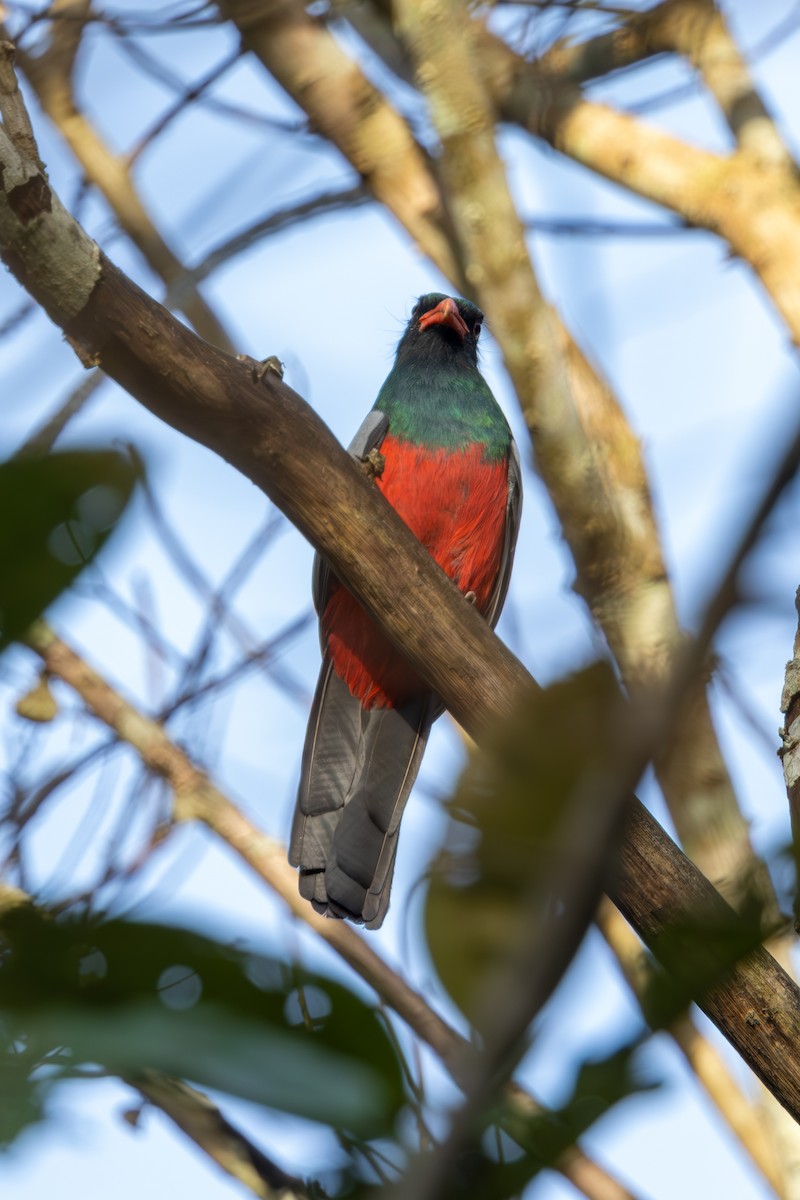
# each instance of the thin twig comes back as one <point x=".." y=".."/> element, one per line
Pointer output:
<point x="42" y="440"/>
<point x="200" y="1119"/>
<point x="285" y="218"/>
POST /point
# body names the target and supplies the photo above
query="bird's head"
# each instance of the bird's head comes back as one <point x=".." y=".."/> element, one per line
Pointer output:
<point x="442" y="326"/>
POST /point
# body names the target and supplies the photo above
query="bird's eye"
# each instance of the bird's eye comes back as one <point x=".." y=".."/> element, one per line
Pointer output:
<point x="476" y="330"/>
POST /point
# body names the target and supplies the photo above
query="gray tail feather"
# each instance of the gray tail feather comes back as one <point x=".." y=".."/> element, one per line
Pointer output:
<point x="359" y="766"/>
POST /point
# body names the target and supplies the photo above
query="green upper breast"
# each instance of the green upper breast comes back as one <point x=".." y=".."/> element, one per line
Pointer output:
<point x="444" y="409"/>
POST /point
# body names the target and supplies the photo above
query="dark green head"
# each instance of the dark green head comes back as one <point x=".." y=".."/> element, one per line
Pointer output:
<point x="442" y="328"/>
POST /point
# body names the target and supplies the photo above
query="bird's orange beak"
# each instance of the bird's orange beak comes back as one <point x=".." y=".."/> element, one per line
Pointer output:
<point x="445" y="313"/>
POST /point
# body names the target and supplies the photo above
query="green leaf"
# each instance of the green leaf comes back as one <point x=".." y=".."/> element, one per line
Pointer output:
<point x="57" y="511"/>
<point x="131" y="997"/>
<point x="511" y="828"/>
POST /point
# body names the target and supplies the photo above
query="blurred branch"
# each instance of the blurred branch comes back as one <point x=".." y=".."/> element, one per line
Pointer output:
<point x="704" y="1060"/>
<point x="50" y="76"/>
<point x="627" y="45"/>
<point x="29" y="802"/>
<point x="698" y="30"/>
<point x="97" y="587"/>
<point x="196" y="798"/>
<point x="15" y="319"/>
<point x="592" y="227"/>
<point x="344" y="107"/>
<point x="188" y="95"/>
<point x="219" y="605"/>
<point x="196" y="92"/>
<point x="750" y="203"/>
<point x="263" y="655"/>
<point x="42" y="440"/>
<point x="566" y="61"/>
<point x="284" y="218"/>
<point x="200" y="1119"/>
<point x="222" y="615"/>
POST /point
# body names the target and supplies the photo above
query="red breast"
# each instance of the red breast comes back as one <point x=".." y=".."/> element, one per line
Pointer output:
<point x="455" y="503"/>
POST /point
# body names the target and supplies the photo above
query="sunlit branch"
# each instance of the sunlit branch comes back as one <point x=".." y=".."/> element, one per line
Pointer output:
<point x="200" y="1119"/>
<point x="698" y="30"/>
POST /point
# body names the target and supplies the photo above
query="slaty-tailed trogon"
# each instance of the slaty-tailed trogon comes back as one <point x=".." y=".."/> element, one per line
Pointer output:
<point x="451" y="471"/>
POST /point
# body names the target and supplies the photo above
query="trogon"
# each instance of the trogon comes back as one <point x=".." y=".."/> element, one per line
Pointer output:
<point x="451" y="470"/>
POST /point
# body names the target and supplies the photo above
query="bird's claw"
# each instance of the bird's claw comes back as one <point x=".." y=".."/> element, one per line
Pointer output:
<point x="470" y="597"/>
<point x="372" y="463"/>
<point x="259" y="367"/>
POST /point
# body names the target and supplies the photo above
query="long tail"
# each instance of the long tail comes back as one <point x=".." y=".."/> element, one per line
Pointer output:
<point x="359" y="766"/>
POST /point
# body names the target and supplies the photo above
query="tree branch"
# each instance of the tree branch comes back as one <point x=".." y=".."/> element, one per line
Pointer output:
<point x="790" y="751"/>
<point x="697" y="30"/>
<point x="750" y="203"/>
<point x="200" y="1119"/>
<point x="347" y="110"/>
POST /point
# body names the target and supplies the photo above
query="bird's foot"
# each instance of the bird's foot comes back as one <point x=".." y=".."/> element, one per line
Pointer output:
<point x="259" y="367"/>
<point x="372" y="464"/>
<point x="470" y="597"/>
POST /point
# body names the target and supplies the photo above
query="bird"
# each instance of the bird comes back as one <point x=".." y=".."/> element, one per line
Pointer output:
<point x="450" y="468"/>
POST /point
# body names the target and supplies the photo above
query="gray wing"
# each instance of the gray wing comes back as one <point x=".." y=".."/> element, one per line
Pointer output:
<point x="513" y="516"/>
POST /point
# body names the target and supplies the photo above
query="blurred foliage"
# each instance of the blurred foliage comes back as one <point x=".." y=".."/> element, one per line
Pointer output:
<point x="508" y="1150"/>
<point x="599" y="1085"/>
<point x="130" y="997"/>
<point x="508" y="862"/>
<point x="59" y="510"/>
